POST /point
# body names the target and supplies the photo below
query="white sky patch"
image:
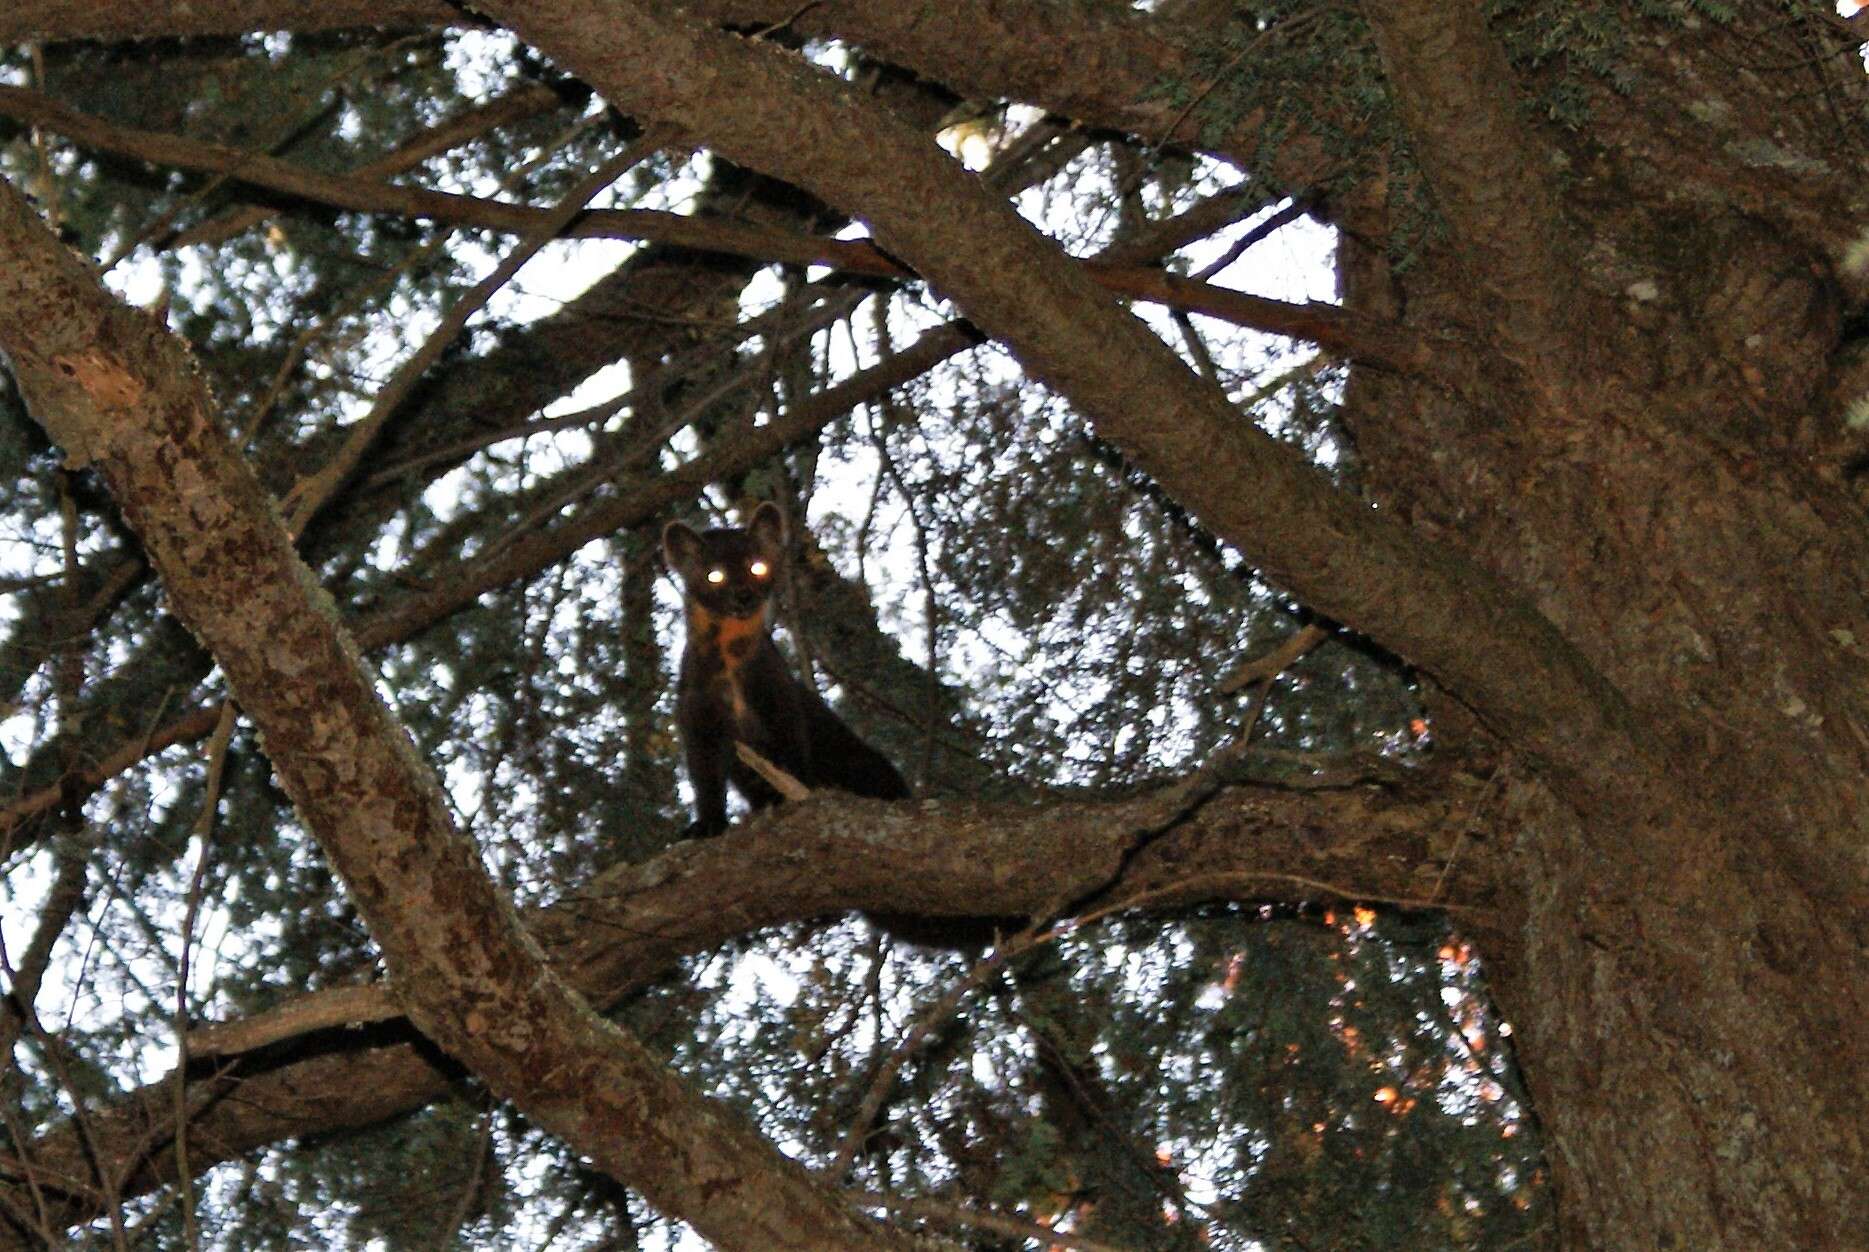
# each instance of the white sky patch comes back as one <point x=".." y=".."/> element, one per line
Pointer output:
<point x="23" y="890"/>
<point x="757" y="976"/>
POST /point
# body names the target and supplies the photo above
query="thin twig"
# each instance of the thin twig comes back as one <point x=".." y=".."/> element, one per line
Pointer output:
<point x="58" y="1056"/>
<point x="1254" y="712"/>
<point x="1202" y="882"/>
<point x="772" y="28"/>
<point x="312" y="493"/>
<point x="63" y="901"/>
<point x="973" y="1219"/>
<point x="1197" y="347"/>
<point x="25" y="1167"/>
<point x="1270" y="665"/>
<point x="1287" y="26"/>
<point x="204" y="833"/>
<point x="1284" y="217"/>
<point x="916" y="1035"/>
<point x="471" y="1194"/>
<point x="69" y="673"/>
<point x="1493" y="786"/>
<point x="931" y="611"/>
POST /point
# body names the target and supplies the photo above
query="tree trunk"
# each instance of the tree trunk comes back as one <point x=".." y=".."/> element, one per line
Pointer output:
<point x="1688" y="989"/>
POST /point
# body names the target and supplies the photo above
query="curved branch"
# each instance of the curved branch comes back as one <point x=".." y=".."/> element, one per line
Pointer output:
<point x="339" y="1059"/>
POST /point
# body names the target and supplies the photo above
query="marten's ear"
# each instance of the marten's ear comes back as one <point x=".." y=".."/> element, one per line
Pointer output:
<point x="768" y="527"/>
<point x="681" y="547"/>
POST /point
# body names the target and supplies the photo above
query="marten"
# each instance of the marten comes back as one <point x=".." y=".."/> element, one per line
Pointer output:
<point x="736" y="687"/>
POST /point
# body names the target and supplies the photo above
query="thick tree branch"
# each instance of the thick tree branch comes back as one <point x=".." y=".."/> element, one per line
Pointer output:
<point x="1096" y="64"/>
<point x="308" y="1068"/>
<point x="1452" y="86"/>
<point x="1349" y="335"/>
<point x="776" y="112"/>
<point x="54" y="21"/>
<point x="525" y="101"/>
<point x="118" y="393"/>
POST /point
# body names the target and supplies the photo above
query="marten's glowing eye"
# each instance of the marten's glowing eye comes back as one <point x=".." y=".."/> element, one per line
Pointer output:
<point x="759" y="569"/>
<point x="717" y="576"/>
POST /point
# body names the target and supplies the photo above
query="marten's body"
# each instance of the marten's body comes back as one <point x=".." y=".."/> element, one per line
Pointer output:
<point x="736" y="687"/>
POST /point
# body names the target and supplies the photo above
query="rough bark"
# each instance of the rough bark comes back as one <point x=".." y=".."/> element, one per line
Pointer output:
<point x="1690" y="968"/>
<point x="1102" y="66"/>
<point x="59" y="20"/>
<point x="1491" y="176"/>
<point x="119" y="394"/>
<point x="1637" y="983"/>
<point x="341" y="1059"/>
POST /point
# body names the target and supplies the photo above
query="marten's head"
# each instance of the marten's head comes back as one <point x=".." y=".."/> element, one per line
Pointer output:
<point x="730" y="571"/>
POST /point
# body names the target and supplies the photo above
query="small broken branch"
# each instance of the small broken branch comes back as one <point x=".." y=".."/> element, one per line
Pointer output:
<point x="1270" y="665"/>
<point x="783" y="783"/>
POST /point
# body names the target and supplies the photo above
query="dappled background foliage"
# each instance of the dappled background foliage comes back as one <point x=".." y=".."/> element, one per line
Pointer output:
<point x="984" y="589"/>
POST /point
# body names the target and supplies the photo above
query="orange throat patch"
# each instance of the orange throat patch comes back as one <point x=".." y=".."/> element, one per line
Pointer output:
<point x="734" y="638"/>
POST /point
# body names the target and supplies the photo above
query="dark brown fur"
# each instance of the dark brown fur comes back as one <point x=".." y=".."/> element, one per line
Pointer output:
<point x="736" y="687"/>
